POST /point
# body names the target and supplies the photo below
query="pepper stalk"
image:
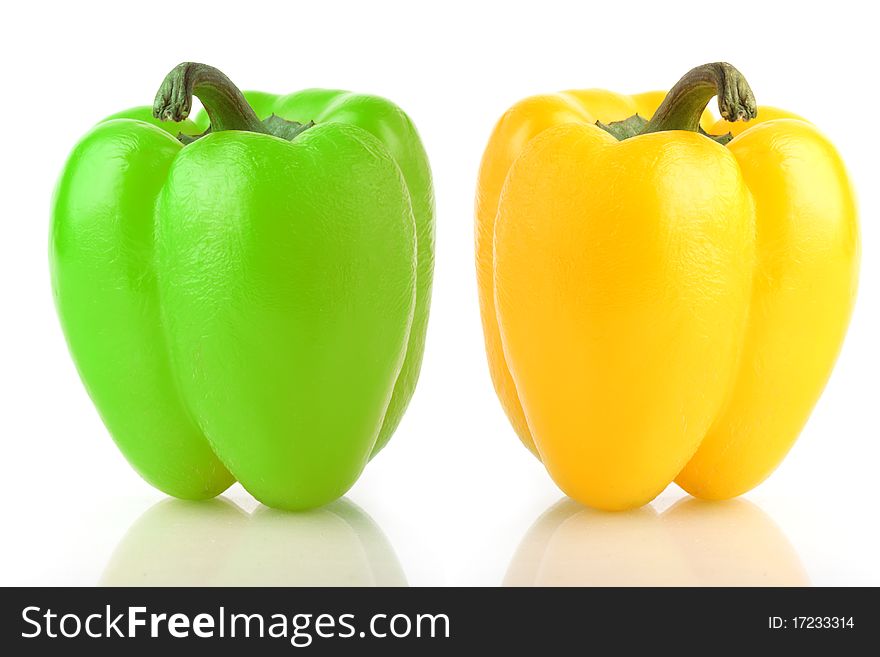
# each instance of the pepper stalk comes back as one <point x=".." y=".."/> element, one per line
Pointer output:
<point x="225" y="105"/>
<point x="685" y="103"/>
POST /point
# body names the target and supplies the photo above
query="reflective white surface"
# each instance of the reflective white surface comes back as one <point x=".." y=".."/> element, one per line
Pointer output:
<point x="676" y="541"/>
<point x="217" y="543"/>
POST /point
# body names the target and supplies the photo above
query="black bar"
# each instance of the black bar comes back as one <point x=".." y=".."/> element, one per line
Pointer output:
<point x="518" y="619"/>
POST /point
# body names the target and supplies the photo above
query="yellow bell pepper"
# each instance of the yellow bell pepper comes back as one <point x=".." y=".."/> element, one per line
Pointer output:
<point x="660" y="303"/>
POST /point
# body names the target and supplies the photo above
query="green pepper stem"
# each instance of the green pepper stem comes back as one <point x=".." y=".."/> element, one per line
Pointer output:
<point x="222" y="100"/>
<point x="684" y="104"/>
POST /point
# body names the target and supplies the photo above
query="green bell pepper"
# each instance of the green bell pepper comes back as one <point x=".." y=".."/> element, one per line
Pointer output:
<point x="248" y="302"/>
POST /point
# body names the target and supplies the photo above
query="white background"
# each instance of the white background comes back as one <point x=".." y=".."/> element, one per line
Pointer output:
<point x="454" y="494"/>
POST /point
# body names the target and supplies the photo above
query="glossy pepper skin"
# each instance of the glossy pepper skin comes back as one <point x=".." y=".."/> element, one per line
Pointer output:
<point x="249" y="304"/>
<point x="657" y="304"/>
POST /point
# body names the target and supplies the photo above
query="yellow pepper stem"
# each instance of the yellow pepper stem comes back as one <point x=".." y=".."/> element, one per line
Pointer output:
<point x="686" y="101"/>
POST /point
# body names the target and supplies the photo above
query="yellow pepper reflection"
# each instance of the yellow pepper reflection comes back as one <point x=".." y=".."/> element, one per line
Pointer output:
<point x="693" y="543"/>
